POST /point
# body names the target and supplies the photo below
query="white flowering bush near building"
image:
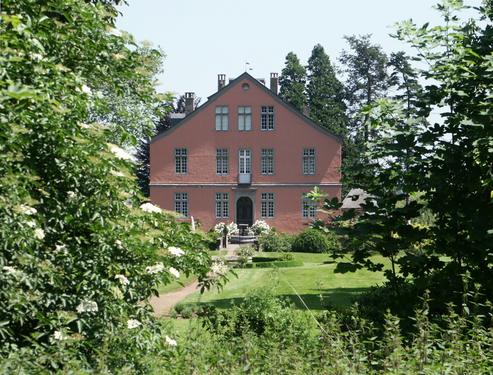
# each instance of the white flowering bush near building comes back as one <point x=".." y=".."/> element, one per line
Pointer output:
<point x="230" y="228"/>
<point x="260" y="227"/>
<point x="80" y="255"/>
<point x="219" y="228"/>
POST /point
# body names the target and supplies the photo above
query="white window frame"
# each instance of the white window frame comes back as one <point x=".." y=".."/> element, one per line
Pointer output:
<point x="181" y="203"/>
<point x="181" y="160"/>
<point x="244" y="118"/>
<point x="222" y="205"/>
<point x="244" y="161"/>
<point x="267" y="118"/>
<point x="308" y="207"/>
<point x="222" y="118"/>
<point x="222" y="161"/>
<point x="309" y="161"/>
<point x="267" y="161"/>
<point x="267" y="205"/>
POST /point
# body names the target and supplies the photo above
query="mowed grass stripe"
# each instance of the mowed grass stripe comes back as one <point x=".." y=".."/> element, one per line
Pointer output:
<point x="315" y="282"/>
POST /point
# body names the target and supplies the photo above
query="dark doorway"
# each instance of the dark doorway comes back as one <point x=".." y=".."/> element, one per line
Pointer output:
<point x="244" y="211"/>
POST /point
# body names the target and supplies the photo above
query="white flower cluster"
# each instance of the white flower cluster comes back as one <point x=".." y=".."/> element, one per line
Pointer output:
<point x="120" y="153"/>
<point x="133" y="323"/>
<point x="9" y="270"/>
<point x="232" y="228"/>
<point x="117" y="173"/>
<point x="158" y="267"/>
<point x="260" y="227"/>
<point x="174" y="272"/>
<point x="86" y="90"/>
<point x="115" y="32"/>
<point x="170" y="341"/>
<point x="176" y="251"/>
<point x="122" y="279"/>
<point x="27" y="210"/>
<point x="60" y="248"/>
<point x="218" y="268"/>
<point x="39" y="233"/>
<point x="87" y="306"/>
<point x="31" y="224"/>
<point x="219" y="228"/>
<point x="149" y="207"/>
<point x="58" y="335"/>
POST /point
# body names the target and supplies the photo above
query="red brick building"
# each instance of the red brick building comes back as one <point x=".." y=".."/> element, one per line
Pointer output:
<point x="244" y="155"/>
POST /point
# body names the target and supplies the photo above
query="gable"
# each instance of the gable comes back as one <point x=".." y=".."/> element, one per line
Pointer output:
<point x="245" y="77"/>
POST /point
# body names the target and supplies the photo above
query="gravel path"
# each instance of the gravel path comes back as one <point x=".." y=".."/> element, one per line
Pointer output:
<point x="163" y="304"/>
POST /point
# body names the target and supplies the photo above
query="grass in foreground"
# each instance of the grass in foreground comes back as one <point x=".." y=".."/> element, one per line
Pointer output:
<point x="315" y="282"/>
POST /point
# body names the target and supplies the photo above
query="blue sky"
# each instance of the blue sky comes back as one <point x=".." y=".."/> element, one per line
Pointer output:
<point x="204" y="38"/>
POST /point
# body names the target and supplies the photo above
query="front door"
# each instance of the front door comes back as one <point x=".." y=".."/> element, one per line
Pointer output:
<point x="244" y="211"/>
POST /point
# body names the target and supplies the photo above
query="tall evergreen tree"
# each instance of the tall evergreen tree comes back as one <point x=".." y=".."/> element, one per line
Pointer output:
<point x="293" y="81"/>
<point x="404" y="81"/>
<point x="325" y="93"/>
<point x="367" y="80"/>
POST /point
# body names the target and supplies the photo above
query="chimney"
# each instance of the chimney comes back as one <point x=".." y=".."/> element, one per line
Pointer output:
<point x="221" y="81"/>
<point x="274" y="82"/>
<point x="189" y="99"/>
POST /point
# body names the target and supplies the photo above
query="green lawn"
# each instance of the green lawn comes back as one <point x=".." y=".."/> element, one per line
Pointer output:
<point x="315" y="282"/>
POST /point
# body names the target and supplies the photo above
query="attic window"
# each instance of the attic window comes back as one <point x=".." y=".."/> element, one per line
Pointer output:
<point x="245" y="86"/>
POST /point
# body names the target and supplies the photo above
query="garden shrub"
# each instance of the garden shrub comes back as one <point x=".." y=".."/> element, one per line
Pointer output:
<point x="244" y="254"/>
<point x="311" y="241"/>
<point x="274" y="241"/>
<point x="260" y="313"/>
<point x="264" y="335"/>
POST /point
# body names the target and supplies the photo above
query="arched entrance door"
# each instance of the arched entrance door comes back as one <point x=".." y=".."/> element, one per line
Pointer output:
<point x="244" y="211"/>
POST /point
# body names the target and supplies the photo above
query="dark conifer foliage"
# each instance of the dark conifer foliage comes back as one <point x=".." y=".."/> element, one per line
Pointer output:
<point x="293" y="81"/>
<point x="325" y="93"/>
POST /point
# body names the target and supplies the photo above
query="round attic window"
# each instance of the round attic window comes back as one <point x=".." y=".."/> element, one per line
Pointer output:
<point x="245" y="86"/>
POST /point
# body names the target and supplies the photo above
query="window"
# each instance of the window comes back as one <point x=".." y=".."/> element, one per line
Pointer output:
<point x="309" y="161"/>
<point x="244" y="118"/>
<point x="181" y="160"/>
<point x="222" y="118"/>
<point x="267" y="118"/>
<point x="222" y="205"/>
<point x="222" y="162"/>
<point x="267" y="166"/>
<point x="309" y="207"/>
<point x="181" y="203"/>
<point x="245" y="161"/>
<point x="267" y="204"/>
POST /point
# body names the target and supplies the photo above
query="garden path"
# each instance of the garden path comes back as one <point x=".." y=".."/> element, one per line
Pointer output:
<point x="163" y="303"/>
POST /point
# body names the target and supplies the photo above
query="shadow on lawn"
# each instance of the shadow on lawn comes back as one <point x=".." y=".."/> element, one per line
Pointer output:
<point x="320" y="299"/>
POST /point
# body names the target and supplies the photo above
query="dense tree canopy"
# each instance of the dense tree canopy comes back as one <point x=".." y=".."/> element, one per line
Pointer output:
<point x="441" y="163"/>
<point x="79" y="255"/>
<point x="293" y="81"/>
<point x="325" y="93"/>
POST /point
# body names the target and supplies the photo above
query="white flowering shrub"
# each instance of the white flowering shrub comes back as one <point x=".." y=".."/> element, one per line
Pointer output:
<point x="232" y="228"/>
<point x="79" y="254"/>
<point x="260" y="227"/>
<point x="219" y="228"/>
